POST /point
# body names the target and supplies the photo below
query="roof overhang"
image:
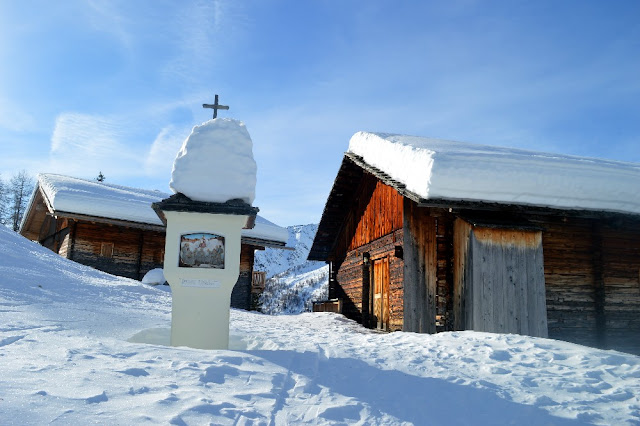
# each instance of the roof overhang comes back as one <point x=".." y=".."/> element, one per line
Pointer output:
<point x="352" y="169"/>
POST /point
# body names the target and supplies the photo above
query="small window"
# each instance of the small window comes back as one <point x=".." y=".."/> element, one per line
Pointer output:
<point x="106" y="250"/>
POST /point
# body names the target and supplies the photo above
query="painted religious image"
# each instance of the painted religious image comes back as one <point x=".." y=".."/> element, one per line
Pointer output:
<point x="201" y="251"/>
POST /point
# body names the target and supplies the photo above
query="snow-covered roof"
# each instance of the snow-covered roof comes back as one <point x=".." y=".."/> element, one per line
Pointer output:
<point x="73" y="195"/>
<point x="66" y="194"/>
<point x="438" y="169"/>
<point x="265" y="230"/>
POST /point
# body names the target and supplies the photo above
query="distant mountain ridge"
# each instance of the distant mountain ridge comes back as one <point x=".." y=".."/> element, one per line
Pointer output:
<point x="293" y="282"/>
<point x="275" y="261"/>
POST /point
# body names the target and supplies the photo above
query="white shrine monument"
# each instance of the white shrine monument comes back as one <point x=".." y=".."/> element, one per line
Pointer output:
<point x="214" y="179"/>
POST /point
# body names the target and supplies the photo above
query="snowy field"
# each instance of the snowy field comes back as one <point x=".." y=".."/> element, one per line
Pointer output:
<point x="66" y="357"/>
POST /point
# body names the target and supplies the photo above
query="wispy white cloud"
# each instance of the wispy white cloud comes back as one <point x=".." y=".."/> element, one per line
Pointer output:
<point x="163" y="151"/>
<point x="203" y="31"/>
<point x="84" y="144"/>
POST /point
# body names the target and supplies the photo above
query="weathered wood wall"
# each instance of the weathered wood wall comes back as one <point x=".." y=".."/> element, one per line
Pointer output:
<point x="501" y="284"/>
<point x="152" y="252"/>
<point x="349" y="278"/>
<point x="621" y="279"/>
<point x="68" y="230"/>
<point x="135" y="251"/>
<point x="592" y="274"/>
<point x="444" y="269"/>
<point x="569" y="277"/>
<point x="591" y="267"/>
<point x="461" y="272"/>
<point x="374" y="226"/>
<point x="420" y="274"/>
<point x="241" y="293"/>
<point x="376" y="212"/>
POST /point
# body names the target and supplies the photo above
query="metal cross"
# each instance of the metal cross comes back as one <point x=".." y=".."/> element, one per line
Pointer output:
<point x="215" y="106"/>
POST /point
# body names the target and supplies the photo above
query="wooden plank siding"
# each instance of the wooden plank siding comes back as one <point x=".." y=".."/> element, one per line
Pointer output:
<point x="461" y="273"/>
<point x="374" y="226"/>
<point x="349" y="278"/>
<point x="592" y="274"/>
<point x="444" y="268"/>
<point x="501" y="280"/>
<point x="241" y="293"/>
<point x="126" y="260"/>
<point x="621" y="277"/>
<point x="420" y="274"/>
<point x="382" y="216"/>
<point x="569" y="277"/>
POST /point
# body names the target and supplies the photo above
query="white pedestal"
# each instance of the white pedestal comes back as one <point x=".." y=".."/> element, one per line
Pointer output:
<point x="201" y="295"/>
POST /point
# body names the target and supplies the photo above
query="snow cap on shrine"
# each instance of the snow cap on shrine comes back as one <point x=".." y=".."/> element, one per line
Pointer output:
<point x="215" y="163"/>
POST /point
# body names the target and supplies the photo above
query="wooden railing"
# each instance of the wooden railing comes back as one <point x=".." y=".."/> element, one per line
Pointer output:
<point x="333" y="305"/>
<point x="258" y="279"/>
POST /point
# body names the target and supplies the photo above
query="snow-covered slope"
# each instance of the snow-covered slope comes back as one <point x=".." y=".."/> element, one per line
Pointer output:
<point x="294" y="291"/>
<point x="275" y="261"/>
<point x="293" y="282"/>
<point x="65" y="359"/>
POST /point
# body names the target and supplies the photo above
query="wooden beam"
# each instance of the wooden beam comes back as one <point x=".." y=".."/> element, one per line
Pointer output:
<point x="108" y="221"/>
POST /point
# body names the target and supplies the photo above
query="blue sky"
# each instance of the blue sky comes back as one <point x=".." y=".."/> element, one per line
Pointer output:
<point x="116" y="86"/>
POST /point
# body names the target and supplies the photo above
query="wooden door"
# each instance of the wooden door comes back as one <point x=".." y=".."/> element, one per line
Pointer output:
<point x="499" y="283"/>
<point x="380" y="293"/>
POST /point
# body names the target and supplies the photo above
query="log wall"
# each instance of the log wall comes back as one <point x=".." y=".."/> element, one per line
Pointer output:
<point x="592" y="274"/>
<point x="374" y="226"/>
<point x="350" y="278"/>
<point x="241" y="293"/>
<point x="621" y="278"/>
<point x="569" y="277"/>
<point x="135" y="251"/>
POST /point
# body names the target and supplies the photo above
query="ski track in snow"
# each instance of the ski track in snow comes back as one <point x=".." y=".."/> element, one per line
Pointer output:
<point x="65" y="359"/>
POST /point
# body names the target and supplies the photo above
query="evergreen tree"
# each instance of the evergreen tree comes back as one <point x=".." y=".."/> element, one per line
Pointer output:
<point x="19" y="190"/>
<point x="3" y="202"/>
<point x="100" y="177"/>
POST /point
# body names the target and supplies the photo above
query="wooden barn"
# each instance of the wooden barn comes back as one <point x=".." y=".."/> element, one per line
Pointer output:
<point x="425" y="235"/>
<point x="114" y="229"/>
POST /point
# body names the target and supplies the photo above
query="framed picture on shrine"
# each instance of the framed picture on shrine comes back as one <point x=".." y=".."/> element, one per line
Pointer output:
<point x="201" y="250"/>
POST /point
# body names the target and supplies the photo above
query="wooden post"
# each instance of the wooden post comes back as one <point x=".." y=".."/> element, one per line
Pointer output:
<point x="366" y="285"/>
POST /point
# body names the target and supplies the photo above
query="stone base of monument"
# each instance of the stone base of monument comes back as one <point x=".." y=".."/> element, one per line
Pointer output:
<point x="202" y="264"/>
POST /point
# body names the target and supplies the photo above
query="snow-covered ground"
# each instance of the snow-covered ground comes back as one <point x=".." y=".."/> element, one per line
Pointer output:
<point x="65" y="359"/>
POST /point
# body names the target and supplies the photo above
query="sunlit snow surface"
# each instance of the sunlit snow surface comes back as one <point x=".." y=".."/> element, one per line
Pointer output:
<point x="440" y="169"/>
<point x="65" y="359"/>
